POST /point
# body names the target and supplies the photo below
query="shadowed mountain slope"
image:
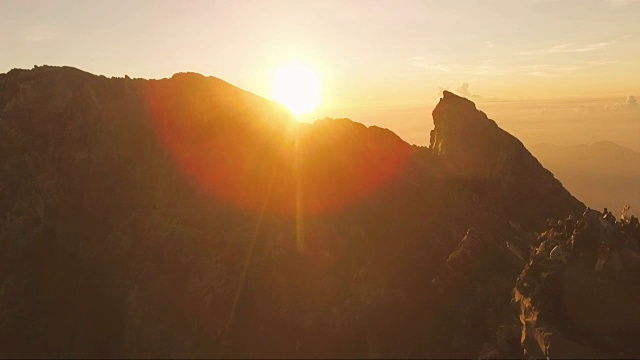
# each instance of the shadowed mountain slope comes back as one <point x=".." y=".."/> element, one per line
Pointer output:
<point x="602" y="174"/>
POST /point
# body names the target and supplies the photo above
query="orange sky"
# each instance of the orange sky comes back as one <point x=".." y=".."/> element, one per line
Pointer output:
<point x="381" y="62"/>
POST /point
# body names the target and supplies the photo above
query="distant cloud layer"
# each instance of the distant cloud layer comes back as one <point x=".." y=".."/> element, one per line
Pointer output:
<point x="584" y="108"/>
<point x="540" y="62"/>
<point x="630" y="104"/>
<point x="568" y="48"/>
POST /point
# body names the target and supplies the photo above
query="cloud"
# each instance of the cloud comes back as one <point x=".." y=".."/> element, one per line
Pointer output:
<point x="39" y="33"/>
<point x="568" y="48"/>
<point x="600" y="62"/>
<point x="618" y="3"/>
<point x="463" y="90"/>
<point x="631" y="103"/>
<point x="489" y="44"/>
<point x="490" y="67"/>
<point x="584" y="108"/>
<point x="541" y="67"/>
<point x="483" y="67"/>
<point x="541" y="74"/>
<point x="550" y="70"/>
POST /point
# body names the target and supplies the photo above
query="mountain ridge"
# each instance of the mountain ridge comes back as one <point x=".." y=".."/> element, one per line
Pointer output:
<point x="164" y="218"/>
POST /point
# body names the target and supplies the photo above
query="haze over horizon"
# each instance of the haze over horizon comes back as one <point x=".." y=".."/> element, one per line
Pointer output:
<point x="380" y="63"/>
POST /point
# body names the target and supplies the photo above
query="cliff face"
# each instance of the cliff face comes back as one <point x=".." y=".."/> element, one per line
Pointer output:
<point x="186" y="217"/>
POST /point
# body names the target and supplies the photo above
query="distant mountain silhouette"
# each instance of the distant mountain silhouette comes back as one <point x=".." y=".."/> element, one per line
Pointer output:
<point x="602" y="174"/>
<point x="185" y="217"/>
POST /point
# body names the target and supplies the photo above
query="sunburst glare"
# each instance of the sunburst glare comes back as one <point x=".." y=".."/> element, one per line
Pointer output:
<point x="296" y="86"/>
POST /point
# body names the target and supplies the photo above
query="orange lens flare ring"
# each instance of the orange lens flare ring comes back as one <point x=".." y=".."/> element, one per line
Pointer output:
<point x="233" y="159"/>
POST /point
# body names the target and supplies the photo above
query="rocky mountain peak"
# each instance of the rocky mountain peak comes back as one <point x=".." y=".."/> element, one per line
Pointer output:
<point x="468" y="139"/>
<point x="474" y="148"/>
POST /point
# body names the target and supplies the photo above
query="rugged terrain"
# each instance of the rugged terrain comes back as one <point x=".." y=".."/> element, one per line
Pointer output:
<point x="185" y="217"/>
<point x="567" y="310"/>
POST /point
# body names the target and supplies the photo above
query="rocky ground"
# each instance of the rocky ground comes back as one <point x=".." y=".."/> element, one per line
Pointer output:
<point x="571" y="311"/>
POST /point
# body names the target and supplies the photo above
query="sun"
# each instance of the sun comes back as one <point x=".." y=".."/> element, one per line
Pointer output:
<point x="296" y="86"/>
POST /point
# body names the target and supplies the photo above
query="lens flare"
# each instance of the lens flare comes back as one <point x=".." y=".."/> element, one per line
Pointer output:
<point x="242" y="149"/>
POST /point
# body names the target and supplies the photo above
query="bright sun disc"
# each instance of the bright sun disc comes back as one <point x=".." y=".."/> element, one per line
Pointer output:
<point x="297" y="87"/>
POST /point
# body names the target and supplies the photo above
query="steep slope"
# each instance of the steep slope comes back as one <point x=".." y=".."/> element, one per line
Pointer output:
<point x="185" y="217"/>
<point x="475" y="148"/>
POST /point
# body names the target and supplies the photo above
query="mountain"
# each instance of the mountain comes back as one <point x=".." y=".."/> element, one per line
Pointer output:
<point x="185" y="217"/>
<point x="602" y="174"/>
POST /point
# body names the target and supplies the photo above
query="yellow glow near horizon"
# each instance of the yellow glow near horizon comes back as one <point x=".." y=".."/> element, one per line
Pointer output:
<point x="297" y="87"/>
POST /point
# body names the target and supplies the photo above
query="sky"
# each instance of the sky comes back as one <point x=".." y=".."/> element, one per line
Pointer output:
<point x="381" y="62"/>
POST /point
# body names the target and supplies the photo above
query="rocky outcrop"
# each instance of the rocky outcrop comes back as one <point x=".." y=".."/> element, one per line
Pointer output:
<point x="185" y="217"/>
<point x="476" y="285"/>
<point x="538" y="296"/>
<point x="567" y="310"/>
<point x="474" y="148"/>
